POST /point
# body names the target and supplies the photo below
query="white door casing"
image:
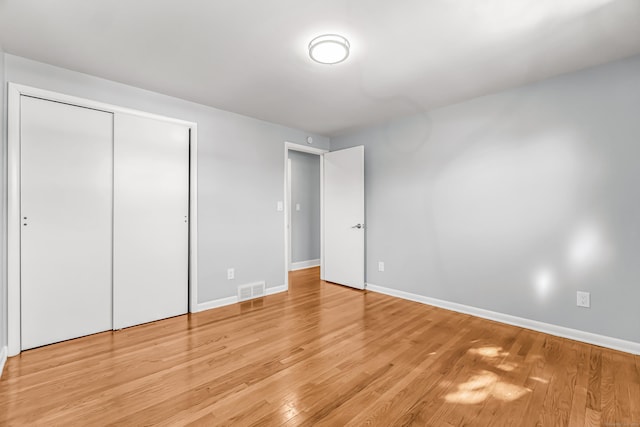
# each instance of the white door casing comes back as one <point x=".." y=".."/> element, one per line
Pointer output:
<point x="151" y="213"/>
<point x="344" y="217"/>
<point x="287" y="209"/>
<point x="289" y="216"/>
<point x="66" y="196"/>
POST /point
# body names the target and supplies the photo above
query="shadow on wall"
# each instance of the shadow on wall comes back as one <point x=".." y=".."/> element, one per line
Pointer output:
<point x="495" y="202"/>
<point x="499" y="29"/>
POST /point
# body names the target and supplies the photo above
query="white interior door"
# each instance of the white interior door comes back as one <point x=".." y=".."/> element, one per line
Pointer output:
<point x="344" y="217"/>
<point x="151" y="209"/>
<point x="66" y="199"/>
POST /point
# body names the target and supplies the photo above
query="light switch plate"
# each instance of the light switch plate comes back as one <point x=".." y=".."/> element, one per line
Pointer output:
<point x="297" y="206"/>
<point x="279" y="206"/>
<point x="583" y="299"/>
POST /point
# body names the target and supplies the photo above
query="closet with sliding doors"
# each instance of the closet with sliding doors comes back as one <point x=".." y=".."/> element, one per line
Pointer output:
<point x="104" y="219"/>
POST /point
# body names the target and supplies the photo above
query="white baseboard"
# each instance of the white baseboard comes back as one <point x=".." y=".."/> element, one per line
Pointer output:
<point x="301" y="265"/>
<point x="3" y="358"/>
<point x="209" y="305"/>
<point x="560" y="331"/>
<point x="202" y="306"/>
<point x="276" y="290"/>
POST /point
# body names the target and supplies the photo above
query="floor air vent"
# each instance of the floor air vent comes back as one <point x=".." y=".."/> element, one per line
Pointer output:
<point x="251" y="291"/>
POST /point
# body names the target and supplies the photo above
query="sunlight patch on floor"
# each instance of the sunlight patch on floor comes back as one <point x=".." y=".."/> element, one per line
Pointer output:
<point x="484" y="385"/>
<point x="507" y="367"/>
<point x="540" y="380"/>
<point x="490" y="352"/>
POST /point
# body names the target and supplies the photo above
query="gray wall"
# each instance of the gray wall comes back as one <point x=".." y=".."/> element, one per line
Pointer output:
<point x="240" y="175"/>
<point x="512" y="202"/>
<point x="3" y="196"/>
<point x="509" y="202"/>
<point x="305" y="190"/>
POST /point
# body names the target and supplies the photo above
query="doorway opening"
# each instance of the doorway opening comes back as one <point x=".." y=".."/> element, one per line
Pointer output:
<point x="303" y="208"/>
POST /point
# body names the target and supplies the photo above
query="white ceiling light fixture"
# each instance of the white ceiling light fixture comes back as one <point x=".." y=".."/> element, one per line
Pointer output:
<point x="329" y="49"/>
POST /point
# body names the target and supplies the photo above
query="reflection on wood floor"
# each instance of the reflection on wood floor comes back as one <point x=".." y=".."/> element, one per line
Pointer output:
<point x="322" y="354"/>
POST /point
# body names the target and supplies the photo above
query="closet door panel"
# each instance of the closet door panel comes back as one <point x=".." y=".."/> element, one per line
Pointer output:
<point x="66" y="212"/>
<point x="151" y="208"/>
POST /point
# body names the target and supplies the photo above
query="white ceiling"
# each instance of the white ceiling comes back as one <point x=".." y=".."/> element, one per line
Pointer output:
<point x="250" y="57"/>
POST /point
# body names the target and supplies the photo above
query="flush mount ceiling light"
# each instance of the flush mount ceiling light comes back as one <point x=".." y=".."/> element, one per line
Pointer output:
<point x="329" y="49"/>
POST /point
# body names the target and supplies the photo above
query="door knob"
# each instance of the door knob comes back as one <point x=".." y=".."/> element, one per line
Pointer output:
<point x="358" y="226"/>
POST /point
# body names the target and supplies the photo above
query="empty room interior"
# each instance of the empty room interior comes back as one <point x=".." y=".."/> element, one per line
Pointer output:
<point x="335" y="213"/>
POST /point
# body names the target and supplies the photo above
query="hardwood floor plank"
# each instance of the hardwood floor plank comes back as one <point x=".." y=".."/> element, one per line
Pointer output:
<point x="557" y="403"/>
<point x="595" y="373"/>
<point x="592" y="418"/>
<point x="526" y="375"/>
<point x="634" y="403"/>
<point x="579" y="401"/>
<point x="607" y="388"/>
<point x="322" y="355"/>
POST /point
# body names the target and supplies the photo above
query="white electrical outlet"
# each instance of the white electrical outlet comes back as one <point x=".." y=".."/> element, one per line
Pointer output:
<point x="583" y="299"/>
<point x="297" y="206"/>
<point x="380" y="266"/>
<point x="231" y="273"/>
<point x="279" y="206"/>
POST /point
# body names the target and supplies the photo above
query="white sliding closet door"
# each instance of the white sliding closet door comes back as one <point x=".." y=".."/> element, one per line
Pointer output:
<point x="66" y="199"/>
<point x="151" y="208"/>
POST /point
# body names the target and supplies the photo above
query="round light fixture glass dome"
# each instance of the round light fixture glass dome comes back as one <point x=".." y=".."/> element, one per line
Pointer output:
<point x="329" y="49"/>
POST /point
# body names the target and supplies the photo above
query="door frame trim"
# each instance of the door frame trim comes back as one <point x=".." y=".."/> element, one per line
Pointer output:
<point x="14" y="92"/>
<point x="287" y="232"/>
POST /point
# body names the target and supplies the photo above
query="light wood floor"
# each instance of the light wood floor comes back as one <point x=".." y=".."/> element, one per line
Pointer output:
<point x="322" y="354"/>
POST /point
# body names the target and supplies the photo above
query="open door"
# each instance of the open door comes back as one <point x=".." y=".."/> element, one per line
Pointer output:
<point x="344" y="217"/>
